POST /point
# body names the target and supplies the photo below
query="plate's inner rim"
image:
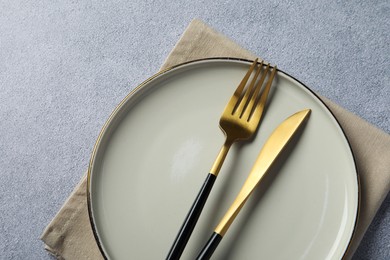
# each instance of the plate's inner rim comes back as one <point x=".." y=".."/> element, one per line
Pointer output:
<point x="133" y="94"/>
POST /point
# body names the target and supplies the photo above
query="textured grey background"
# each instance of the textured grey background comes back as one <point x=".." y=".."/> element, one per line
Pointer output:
<point x="64" y="66"/>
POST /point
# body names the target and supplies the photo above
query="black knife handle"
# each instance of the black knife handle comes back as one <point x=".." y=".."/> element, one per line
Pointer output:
<point x="192" y="217"/>
<point x="210" y="247"/>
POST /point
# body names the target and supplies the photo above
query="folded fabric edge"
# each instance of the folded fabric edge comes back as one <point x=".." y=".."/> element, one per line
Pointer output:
<point x="53" y="253"/>
<point x="198" y="41"/>
<point x="50" y="234"/>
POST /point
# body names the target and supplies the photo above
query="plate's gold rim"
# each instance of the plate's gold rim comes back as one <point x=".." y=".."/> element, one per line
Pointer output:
<point x="164" y="71"/>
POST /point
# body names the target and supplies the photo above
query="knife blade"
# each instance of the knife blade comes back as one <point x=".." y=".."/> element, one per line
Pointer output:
<point x="271" y="150"/>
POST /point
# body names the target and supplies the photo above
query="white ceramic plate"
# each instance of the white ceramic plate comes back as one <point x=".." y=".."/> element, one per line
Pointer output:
<point x="157" y="147"/>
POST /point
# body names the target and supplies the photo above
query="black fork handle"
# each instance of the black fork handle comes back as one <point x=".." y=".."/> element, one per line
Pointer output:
<point x="210" y="247"/>
<point x="191" y="219"/>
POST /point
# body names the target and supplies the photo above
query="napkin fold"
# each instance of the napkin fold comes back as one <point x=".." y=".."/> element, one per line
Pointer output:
<point x="69" y="235"/>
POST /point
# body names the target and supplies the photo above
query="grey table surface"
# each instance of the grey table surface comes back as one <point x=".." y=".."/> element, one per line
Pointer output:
<point x="64" y="66"/>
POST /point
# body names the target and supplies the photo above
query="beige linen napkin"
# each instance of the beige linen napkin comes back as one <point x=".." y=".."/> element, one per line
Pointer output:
<point x="69" y="235"/>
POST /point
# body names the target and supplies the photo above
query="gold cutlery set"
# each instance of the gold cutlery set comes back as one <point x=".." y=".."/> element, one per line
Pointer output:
<point x="240" y="121"/>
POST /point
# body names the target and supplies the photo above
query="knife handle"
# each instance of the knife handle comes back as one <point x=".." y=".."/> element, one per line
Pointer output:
<point x="210" y="247"/>
<point x="192" y="217"/>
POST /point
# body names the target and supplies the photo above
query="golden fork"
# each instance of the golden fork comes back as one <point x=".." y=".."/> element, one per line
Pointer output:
<point x="239" y="121"/>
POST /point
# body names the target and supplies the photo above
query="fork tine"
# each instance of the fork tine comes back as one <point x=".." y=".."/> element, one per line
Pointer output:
<point x="258" y="108"/>
<point x="255" y="97"/>
<point x="237" y="93"/>
<point x="243" y="103"/>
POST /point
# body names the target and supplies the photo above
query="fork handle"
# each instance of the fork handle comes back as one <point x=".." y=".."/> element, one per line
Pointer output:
<point x="192" y="217"/>
<point x="210" y="247"/>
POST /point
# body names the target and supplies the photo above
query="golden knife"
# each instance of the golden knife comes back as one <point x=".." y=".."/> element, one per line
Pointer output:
<point x="267" y="156"/>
